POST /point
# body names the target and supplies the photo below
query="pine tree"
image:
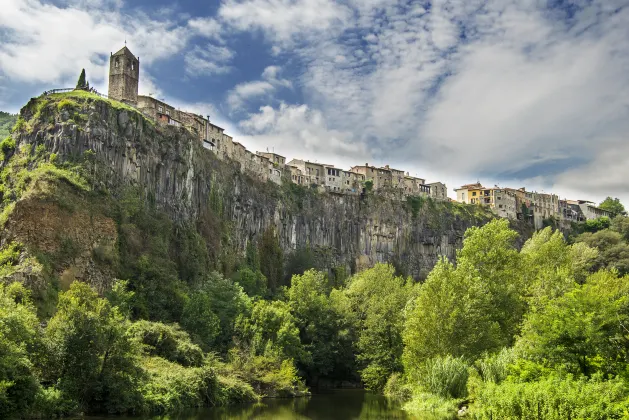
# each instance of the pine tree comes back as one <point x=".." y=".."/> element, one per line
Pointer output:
<point x="81" y="83"/>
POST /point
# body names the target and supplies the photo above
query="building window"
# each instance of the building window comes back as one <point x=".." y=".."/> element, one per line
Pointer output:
<point x="132" y="66"/>
<point x="167" y="112"/>
<point x="160" y="108"/>
<point x="474" y="194"/>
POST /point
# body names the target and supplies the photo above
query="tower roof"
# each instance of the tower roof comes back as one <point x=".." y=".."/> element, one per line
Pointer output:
<point x="124" y="51"/>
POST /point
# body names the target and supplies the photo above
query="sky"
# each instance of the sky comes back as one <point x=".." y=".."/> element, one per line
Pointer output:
<point x="516" y="93"/>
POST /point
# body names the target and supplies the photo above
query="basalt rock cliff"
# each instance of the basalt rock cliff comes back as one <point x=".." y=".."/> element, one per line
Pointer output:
<point x="118" y="150"/>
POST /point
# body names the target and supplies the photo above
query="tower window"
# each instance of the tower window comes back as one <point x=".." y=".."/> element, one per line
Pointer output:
<point x="117" y="62"/>
<point x="132" y="66"/>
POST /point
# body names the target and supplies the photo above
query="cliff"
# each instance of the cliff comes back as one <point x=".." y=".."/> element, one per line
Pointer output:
<point x="115" y="150"/>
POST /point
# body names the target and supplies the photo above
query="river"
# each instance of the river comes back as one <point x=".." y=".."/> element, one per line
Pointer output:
<point x="336" y="405"/>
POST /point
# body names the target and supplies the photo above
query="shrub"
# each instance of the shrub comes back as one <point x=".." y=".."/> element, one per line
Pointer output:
<point x="494" y="368"/>
<point x="166" y="341"/>
<point x="397" y="388"/>
<point x="173" y="387"/>
<point x="7" y="145"/>
<point x="553" y="399"/>
<point x="444" y="377"/>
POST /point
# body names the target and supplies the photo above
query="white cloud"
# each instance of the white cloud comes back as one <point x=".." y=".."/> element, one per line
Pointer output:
<point x="503" y="89"/>
<point x="207" y="27"/>
<point x="209" y="60"/>
<point x="284" y="21"/>
<point x="298" y="131"/>
<point x="270" y="82"/>
<point x="43" y="43"/>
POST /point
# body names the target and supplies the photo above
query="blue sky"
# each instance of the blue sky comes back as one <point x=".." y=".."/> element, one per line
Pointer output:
<point x="512" y="92"/>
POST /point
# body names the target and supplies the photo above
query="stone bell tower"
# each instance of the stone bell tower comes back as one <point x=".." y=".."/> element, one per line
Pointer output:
<point x="124" y="76"/>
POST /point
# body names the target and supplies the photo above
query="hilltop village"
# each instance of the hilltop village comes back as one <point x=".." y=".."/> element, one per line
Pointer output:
<point x="124" y="75"/>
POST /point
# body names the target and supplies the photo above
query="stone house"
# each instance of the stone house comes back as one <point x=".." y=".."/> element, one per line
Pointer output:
<point x="333" y="178"/>
<point x="380" y="177"/>
<point x="313" y="172"/>
<point x="159" y="111"/>
<point x="438" y="190"/>
<point x="591" y="211"/>
<point x="276" y="159"/>
<point x="505" y="203"/>
<point x="415" y="186"/>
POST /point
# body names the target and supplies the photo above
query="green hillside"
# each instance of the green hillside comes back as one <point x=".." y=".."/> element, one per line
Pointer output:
<point x="7" y="121"/>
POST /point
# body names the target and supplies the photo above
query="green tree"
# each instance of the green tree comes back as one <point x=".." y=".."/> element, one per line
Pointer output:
<point x="550" y="265"/>
<point x="584" y="331"/>
<point x="271" y="331"/>
<point x="452" y="315"/>
<point x="377" y="299"/>
<point x="614" y="205"/>
<point x="613" y="250"/>
<point x="199" y="319"/>
<point x="620" y="224"/>
<point x="271" y="259"/>
<point x="91" y="357"/>
<point x="227" y="301"/>
<point x="81" y="83"/>
<point x="489" y="255"/>
<point x="253" y="283"/>
<point x="19" y="337"/>
<point x="322" y="328"/>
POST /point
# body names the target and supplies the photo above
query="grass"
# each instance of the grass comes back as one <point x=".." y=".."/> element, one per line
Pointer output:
<point x="84" y="95"/>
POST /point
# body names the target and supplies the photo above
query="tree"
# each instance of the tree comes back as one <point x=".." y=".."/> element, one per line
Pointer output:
<point x="473" y="308"/>
<point x="19" y="336"/>
<point x="199" y="319"/>
<point x="91" y="357"/>
<point x="271" y="331"/>
<point x="489" y="255"/>
<point x="613" y="251"/>
<point x="226" y="300"/>
<point x="321" y="327"/>
<point x="614" y="205"/>
<point x="620" y="224"/>
<point x="271" y="258"/>
<point x="82" y="83"/>
<point x="452" y="315"/>
<point x="583" y="331"/>
<point x="377" y="299"/>
<point x="253" y="283"/>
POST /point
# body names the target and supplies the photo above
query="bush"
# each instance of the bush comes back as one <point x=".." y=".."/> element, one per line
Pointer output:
<point x="444" y="377"/>
<point x="494" y="368"/>
<point x="173" y="387"/>
<point x="397" y="388"/>
<point x="7" y="145"/>
<point x="553" y="399"/>
<point x="166" y="341"/>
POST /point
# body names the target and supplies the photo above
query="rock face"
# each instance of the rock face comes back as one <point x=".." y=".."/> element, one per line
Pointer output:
<point x="188" y="182"/>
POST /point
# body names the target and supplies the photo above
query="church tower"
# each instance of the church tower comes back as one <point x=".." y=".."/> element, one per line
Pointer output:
<point x="124" y="76"/>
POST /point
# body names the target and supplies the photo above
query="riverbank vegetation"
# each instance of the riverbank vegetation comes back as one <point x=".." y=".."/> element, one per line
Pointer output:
<point x="539" y="332"/>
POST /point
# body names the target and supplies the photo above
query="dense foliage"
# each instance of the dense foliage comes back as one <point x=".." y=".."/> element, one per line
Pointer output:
<point x="7" y="121"/>
<point x="614" y="205"/>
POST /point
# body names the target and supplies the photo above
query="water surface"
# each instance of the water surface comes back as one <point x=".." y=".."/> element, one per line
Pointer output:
<point x="335" y="405"/>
